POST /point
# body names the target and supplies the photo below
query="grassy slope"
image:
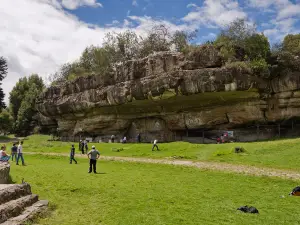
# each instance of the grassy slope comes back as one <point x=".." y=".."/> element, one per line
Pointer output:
<point x="153" y="194"/>
<point x="278" y="154"/>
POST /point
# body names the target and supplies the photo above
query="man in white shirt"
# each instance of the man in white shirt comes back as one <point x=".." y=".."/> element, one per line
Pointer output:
<point x="20" y="153"/>
<point x="155" y="145"/>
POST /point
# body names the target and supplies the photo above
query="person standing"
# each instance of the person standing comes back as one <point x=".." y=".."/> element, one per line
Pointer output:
<point x="139" y="138"/>
<point x="112" y="138"/>
<point x="14" y="152"/>
<point x="93" y="155"/>
<point x="72" y="155"/>
<point x="82" y="147"/>
<point x="86" y="146"/>
<point x="20" y="153"/>
<point x="155" y="145"/>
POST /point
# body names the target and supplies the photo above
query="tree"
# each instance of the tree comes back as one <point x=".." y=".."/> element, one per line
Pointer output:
<point x="240" y="41"/>
<point x="5" y="121"/>
<point x="3" y="73"/>
<point x="291" y="43"/>
<point x="181" y="40"/>
<point x="121" y="46"/>
<point x="22" y="102"/>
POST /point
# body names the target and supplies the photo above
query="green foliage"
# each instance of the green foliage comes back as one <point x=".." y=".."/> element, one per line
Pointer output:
<point x="260" y="67"/>
<point x="121" y="46"/>
<point x="94" y="60"/>
<point x="5" y="121"/>
<point x="3" y="73"/>
<point x="291" y="43"/>
<point x="240" y="41"/>
<point x="22" y="102"/>
<point x="239" y="66"/>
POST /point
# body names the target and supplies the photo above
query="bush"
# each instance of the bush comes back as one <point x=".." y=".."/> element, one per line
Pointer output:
<point x="260" y="68"/>
<point x="239" y="150"/>
<point x="239" y="66"/>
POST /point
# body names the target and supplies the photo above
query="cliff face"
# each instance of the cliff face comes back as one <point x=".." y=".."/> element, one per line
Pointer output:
<point x="166" y="94"/>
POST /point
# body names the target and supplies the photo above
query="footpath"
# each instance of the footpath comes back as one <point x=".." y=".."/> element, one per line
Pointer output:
<point x="204" y="165"/>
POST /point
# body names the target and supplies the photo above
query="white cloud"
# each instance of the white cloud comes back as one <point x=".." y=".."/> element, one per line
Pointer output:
<point x="289" y="11"/>
<point x="71" y="4"/>
<point x="215" y="13"/>
<point x="38" y="37"/>
<point x="135" y="3"/>
<point x="191" y="5"/>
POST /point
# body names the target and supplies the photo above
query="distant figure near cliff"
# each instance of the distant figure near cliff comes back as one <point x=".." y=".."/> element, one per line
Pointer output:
<point x="155" y="145"/>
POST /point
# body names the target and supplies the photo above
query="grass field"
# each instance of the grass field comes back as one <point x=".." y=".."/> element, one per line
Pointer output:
<point x="276" y="154"/>
<point x="132" y="193"/>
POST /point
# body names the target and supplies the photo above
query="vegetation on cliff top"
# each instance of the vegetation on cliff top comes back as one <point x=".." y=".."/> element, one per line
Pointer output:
<point x="238" y="42"/>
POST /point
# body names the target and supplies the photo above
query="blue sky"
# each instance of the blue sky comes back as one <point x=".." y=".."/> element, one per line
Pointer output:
<point x="38" y="36"/>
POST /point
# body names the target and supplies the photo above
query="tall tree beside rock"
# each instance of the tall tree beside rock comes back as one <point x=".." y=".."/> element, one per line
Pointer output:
<point x="3" y="72"/>
<point x="22" y="103"/>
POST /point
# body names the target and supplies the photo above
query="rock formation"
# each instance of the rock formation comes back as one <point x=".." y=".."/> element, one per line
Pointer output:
<point x="4" y="173"/>
<point x="168" y="94"/>
<point x="17" y="204"/>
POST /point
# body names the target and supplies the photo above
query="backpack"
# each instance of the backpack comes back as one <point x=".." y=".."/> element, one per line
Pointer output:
<point x="247" y="209"/>
<point x="296" y="191"/>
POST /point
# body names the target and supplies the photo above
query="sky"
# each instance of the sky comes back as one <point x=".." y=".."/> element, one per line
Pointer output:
<point x="38" y="36"/>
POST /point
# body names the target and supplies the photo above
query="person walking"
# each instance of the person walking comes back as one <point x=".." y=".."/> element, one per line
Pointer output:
<point x="93" y="155"/>
<point x="155" y="145"/>
<point x="14" y="152"/>
<point x="72" y="155"/>
<point x="20" y="153"/>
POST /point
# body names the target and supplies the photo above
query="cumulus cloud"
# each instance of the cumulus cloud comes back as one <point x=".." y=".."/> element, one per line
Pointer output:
<point x="215" y="13"/>
<point x="286" y="13"/>
<point x="74" y="4"/>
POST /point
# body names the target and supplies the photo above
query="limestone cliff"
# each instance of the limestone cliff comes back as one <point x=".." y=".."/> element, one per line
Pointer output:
<point x="166" y="94"/>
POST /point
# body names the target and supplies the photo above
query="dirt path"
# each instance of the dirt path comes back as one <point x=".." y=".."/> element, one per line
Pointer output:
<point x="226" y="167"/>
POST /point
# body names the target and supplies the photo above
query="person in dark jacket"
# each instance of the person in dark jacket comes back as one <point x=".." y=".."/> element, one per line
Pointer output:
<point x="14" y="152"/>
<point x="72" y="155"/>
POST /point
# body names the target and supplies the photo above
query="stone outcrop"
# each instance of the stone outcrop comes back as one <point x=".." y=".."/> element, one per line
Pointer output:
<point x="166" y="94"/>
<point x="18" y="205"/>
<point x="4" y="173"/>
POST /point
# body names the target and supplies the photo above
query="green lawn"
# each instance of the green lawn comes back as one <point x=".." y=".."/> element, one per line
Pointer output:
<point x="282" y="154"/>
<point x="133" y="193"/>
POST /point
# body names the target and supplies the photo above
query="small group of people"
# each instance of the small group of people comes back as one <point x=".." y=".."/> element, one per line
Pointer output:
<point x="223" y="138"/>
<point x="93" y="156"/>
<point x="83" y="146"/>
<point x="16" y="153"/>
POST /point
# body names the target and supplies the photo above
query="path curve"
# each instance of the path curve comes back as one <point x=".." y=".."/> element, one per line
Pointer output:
<point x="218" y="166"/>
